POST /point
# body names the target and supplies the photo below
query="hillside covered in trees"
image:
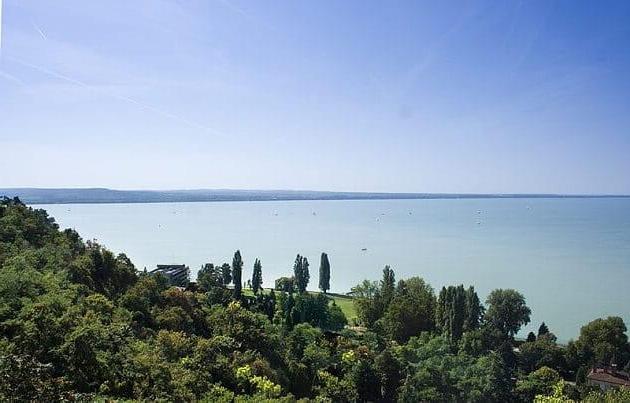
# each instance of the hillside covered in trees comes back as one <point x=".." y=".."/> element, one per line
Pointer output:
<point x="78" y="322"/>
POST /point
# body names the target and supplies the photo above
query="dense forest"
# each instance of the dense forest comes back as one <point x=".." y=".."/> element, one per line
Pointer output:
<point x="79" y="322"/>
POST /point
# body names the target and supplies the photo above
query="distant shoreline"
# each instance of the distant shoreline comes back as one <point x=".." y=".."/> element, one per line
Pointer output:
<point x="110" y="196"/>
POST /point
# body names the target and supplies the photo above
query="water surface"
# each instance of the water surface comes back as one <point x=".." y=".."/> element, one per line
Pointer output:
<point x="569" y="257"/>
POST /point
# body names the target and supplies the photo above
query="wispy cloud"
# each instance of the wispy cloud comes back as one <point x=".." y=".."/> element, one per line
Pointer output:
<point x="119" y="97"/>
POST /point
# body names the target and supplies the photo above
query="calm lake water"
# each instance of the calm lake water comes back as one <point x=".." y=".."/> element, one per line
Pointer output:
<point x="569" y="257"/>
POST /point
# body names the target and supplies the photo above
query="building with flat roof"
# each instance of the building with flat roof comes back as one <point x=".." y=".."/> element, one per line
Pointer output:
<point x="177" y="274"/>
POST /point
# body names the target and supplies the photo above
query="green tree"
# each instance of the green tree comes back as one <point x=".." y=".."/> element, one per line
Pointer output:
<point x="539" y="382"/>
<point x="391" y="372"/>
<point x="286" y="284"/>
<point x="474" y="311"/>
<point x="411" y="311"/>
<point x="209" y="276"/>
<point x="324" y="273"/>
<point x="312" y="309"/>
<point x="226" y="271"/>
<point x="301" y="274"/>
<point x="388" y="286"/>
<point x="450" y="312"/>
<point x="257" y="277"/>
<point x="366" y="381"/>
<point x="303" y="283"/>
<point x="542" y="352"/>
<point x="334" y="389"/>
<point x="557" y="395"/>
<point x="237" y="271"/>
<point x="507" y="311"/>
<point x="542" y="329"/>
<point x="367" y="302"/>
<point x="613" y="395"/>
<point x="307" y="354"/>
<point x="602" y="341"/>
<point x="336" y="319"/>
<point x="250" y="331"/>
<point x="436" y="373"/>
<point x="22" y="378"/>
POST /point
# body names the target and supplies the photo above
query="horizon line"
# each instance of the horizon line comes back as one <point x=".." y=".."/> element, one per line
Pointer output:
<point x="351" y="192"/>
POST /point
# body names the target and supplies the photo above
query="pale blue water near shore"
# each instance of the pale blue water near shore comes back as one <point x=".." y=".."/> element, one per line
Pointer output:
<point x="569" y="257"/>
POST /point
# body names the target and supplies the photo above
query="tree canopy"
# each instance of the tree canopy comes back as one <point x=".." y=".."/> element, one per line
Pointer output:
<point x="507" y="311"/>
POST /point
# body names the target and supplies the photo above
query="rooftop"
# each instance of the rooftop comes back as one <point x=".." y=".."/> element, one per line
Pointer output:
<point x="170" y="269"/>
<point x="610" y="376"/>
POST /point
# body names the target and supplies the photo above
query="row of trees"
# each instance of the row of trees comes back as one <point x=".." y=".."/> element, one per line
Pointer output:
<point x="211" y="276"/>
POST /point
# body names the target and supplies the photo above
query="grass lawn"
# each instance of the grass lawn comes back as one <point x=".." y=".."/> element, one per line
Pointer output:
<point x="347" y="306"/>
<point x="342" y="301"/>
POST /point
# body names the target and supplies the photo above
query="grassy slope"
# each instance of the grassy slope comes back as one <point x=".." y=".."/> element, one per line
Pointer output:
<point x="343" y="301"/>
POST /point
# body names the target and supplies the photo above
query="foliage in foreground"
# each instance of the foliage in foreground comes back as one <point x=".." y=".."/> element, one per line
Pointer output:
<point x="79" y="322"/>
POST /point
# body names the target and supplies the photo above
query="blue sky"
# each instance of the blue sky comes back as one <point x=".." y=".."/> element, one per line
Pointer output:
<point x="470" y="96"/>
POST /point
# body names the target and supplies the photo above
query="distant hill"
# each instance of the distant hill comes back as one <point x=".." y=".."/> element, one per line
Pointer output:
<point x="101" y="195"/>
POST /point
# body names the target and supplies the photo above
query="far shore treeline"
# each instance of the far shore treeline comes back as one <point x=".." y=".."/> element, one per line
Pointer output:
<point x="78" y="322"/>
<point x="102" y="195"/>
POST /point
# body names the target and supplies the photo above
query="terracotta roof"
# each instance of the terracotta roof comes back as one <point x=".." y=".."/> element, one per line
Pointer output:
<point x="609" y="376"/>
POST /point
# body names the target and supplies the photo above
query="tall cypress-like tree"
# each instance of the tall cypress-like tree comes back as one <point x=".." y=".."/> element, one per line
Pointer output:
<point x="237" y="272"/>
<point x="474" y="310"/>
<point x="324" y="273"/>
<point x="226" y="270"/>
<point x="297" y="270"/>
<point x="388" y="285"/>
<point x="300" y="271"/>
<point x="257" y="277"/>
<point x="306" y="277"/>
<point x="451" y="314"/>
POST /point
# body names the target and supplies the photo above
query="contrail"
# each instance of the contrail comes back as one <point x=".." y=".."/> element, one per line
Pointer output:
<point x="38" y="29"/>
<point x="120" y="97"/>
<point x="0" y="28"/>
<point x="11" y="77"/>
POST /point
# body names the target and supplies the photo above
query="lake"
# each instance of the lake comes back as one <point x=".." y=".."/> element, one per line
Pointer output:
<point x="569" y="257"/>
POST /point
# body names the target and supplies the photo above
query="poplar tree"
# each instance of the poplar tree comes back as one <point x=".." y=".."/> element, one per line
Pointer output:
<point x="226" y="271"/>
<point x="324" y="273"/>
<point x="300" y="271"/>
<point x="237" y="271"/>
<point x="257" y="277"/>
<point x="458" y="310"/>
<point x="474" y="310"/>
<point x="305" y="274"/>
<point x="388" y="286"/>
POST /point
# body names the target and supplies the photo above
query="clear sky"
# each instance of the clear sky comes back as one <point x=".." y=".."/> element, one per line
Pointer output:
<point x="444" y="96"/>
